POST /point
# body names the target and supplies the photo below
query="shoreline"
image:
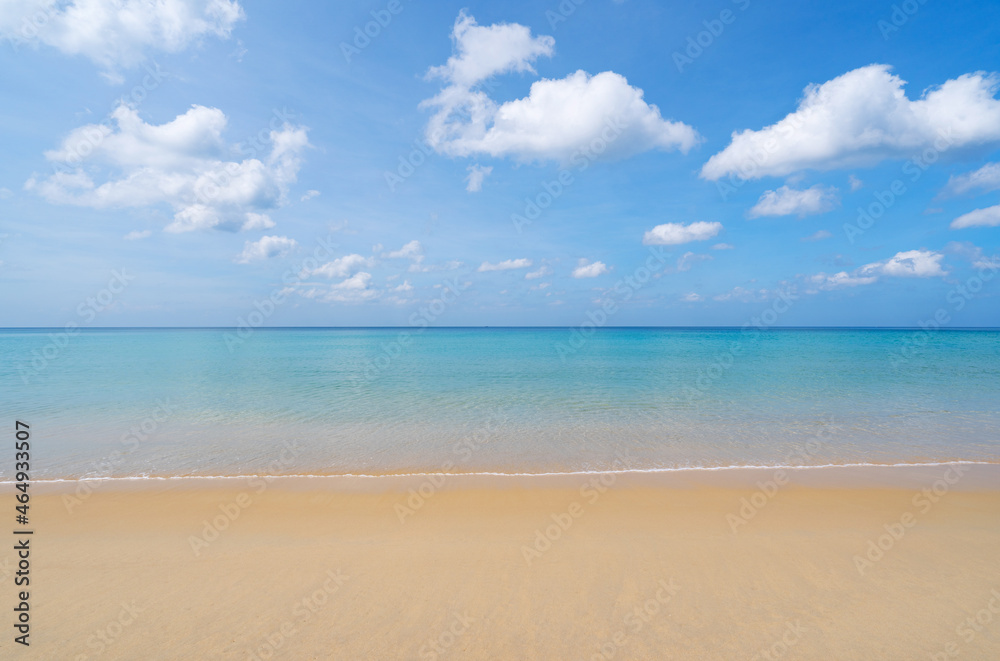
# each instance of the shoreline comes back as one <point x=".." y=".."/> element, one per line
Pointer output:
<point x="977" y="475"/>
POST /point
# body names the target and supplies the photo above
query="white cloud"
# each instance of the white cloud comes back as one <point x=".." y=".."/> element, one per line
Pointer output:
<point x="723" y="246"/>
<point x="689" y="259"/>
<point x="988" y="217"/>
<point x="861" y="118"/>
<point x="412" y="250"/>
<point x="5" y="193"/>
<point x="556" y="120"/>
<point x="818" y="235"/>
<point x="907" y="264"/>
<point x="855" y="183"/>
<point x="744" y="295"/>
<point x="265" y="248"/>
<point x="505" y="265"/>
<point x="180" y="163"/>
<point x="451" y="265"/>
<point x="691" y="298"/>
<point x="405" y="287"/>
<point x="116" y="33"/>
<point x="482" y="51"/>
<point x="986" y="178"/>
<point x="309" y="194"/>
<point x="540" y="273"/>
<point x="585" y="269"/>
<point x="786" y="201"/>
<point x="354" y="289"/>
<point x="137" y="234"/>
<point x="973" y="254"/>
<point x="840" y="280"/>
<point x="341" y="267"/>
<point x="672" y="234"/>
<point x="477" y="173"/>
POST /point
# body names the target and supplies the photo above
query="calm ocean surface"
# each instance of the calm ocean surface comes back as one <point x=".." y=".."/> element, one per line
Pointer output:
<point x="152" y="402"/>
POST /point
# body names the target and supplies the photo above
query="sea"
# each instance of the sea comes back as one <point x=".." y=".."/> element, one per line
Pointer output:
<point x="174" y="402"/>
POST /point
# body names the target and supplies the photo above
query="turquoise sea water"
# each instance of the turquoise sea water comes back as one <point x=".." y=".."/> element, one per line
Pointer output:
<point x="164" y="402"/>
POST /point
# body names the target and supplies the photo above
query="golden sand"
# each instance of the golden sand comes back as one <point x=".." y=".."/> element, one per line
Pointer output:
<point x="575" y="570"/>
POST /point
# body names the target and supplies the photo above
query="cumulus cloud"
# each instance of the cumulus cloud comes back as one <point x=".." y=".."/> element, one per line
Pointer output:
<point x="116" y="33"/>
<point x="974" y="254"/>
<point x="505" y="265"/>
<point x="786" y="201"/>
<point x="671" y="234"/>
<point x="907" y="264"/>
<point x="341" y="267"/>
<point x="691" y="298"/>
<point x="181" y="163"/>
<point x="265" y="248"/>
<point x="860" y="119"/>
<point x="540" y="273"/>
<point x="988" y="217"/>
<point x="405" y="287"/>
<point x="855" y="183"/>
<point x="477" y="174"/>
<point x="983" y="180"/>
<point x="309" y="194"/>
<point x="558" y="118"/>
<point x="586" y="269"/>
<point x="138" y="234"/>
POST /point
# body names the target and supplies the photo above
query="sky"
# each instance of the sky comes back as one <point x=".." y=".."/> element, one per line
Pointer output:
<point x="398" y="163"/>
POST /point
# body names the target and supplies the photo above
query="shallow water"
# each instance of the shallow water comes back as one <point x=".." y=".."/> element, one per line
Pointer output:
<point x="132" y="402"/>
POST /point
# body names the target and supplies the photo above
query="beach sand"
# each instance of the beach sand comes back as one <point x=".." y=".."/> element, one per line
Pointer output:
<point x="518" y="569"/>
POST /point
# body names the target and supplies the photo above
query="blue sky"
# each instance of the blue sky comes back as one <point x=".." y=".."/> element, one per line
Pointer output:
<point x="225" y="156"/>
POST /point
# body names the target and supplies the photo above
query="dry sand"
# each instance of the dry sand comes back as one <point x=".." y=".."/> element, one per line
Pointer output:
<point x="518" y="569"/>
